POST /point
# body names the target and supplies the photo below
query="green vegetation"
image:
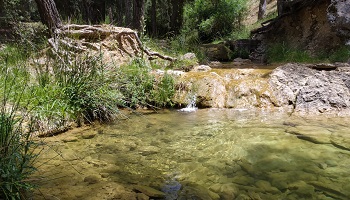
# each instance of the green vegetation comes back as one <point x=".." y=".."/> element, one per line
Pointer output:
<point x="75" y="88"/>
<point x="81" y="89"/>
<point x="141" y="88"/>
<point x="213" y="19"/>
<point x="16" y="143"/>
<point x="67" y="89"/>
<point x="282" y="52"/>
<point x="341" y="54"/>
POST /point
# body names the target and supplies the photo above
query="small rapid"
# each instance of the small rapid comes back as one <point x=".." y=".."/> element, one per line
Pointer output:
<point x="191" y="106"/>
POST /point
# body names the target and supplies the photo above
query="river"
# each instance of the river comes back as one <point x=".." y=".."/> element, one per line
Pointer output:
<point x="206" y="154"/>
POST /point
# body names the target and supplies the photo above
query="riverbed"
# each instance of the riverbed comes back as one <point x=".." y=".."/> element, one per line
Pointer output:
<point x="206" y="154"/>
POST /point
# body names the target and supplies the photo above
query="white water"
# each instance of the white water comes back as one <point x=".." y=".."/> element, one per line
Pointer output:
<point x="191" y="106"/>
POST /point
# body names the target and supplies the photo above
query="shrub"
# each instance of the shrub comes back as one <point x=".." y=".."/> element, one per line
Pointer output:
<point x="141" y="88"/>
<point x="213" y="19"/>
<point x="86" y="87"/>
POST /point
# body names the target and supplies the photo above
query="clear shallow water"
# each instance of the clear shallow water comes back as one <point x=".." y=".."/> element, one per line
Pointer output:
<point x="207" y="154"/>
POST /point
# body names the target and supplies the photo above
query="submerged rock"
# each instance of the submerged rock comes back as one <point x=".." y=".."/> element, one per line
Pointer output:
<point x="318" y="135"/>
<point x="201" y="68"/>
<point x="92" y="179"/>
<point x="151" y="192"/>
<point x="70" y="139"/>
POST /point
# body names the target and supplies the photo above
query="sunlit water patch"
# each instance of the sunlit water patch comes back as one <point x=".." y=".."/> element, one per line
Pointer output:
<point x="208" y="154"/>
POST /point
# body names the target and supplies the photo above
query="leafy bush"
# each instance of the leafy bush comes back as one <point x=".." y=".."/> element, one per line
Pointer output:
<point x="141" y="88"/>
<point x="31" y="37"/>
<point x="213" y="19"/>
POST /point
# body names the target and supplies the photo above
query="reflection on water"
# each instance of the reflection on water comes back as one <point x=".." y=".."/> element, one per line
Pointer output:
<point x="208" y="154"/>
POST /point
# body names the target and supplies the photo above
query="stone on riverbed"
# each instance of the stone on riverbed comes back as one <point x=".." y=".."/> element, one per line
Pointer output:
<point x="88" y="135"/>
<point x="148" y="150"/>
<point x="302" y="188"/>
<point x="341" y="140"/>
<point x="330" y="189"/>
<point x="70" y="139"/>
<point x="315" y="134"/>
<point x="92" y="179"/>
<point x="151" y="192"/>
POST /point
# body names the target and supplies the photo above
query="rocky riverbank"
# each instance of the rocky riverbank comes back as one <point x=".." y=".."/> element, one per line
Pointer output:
<point x="297" y="88"/>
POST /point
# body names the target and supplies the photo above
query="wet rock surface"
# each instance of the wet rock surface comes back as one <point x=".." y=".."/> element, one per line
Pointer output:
<point x="225" y="88"/>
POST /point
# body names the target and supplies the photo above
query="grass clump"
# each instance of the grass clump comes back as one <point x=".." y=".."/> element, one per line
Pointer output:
<point x="16" y="143"/>
<point x="341" y="54"/>
<point x="78" y="89"/>
<point x="281" y="52"/>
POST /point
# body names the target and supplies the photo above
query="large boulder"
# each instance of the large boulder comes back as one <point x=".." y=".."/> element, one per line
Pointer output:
<point x="234" y="88"/>
<point x="311" y="90"/>
<point x="217" y="52"/>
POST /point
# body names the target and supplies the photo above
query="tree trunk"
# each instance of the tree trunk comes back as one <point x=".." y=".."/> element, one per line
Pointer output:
<point x="99" y="11"/>
<point x="262" y="9"/>
<point x="120" y="13"/>
<point x="176" y="15"/>
<point x="49" y="14"/>
<point x="94" y="11"/>
<point x="128" y="13"/>
<point x="154" y="17"/>
<point x="138" y="15"/>
<point x="2" y="14"/>
<point x="279" y="7"/>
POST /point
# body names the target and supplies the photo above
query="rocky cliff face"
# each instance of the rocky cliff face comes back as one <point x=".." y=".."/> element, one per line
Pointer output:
<point x="338" y="13"/>
<point x="316" y="26"/>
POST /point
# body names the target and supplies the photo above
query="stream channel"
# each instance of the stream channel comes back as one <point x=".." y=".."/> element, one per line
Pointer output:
<point x="206" y="154"/>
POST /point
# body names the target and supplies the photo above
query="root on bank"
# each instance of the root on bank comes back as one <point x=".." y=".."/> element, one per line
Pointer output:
<point x="117" y="41"/>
